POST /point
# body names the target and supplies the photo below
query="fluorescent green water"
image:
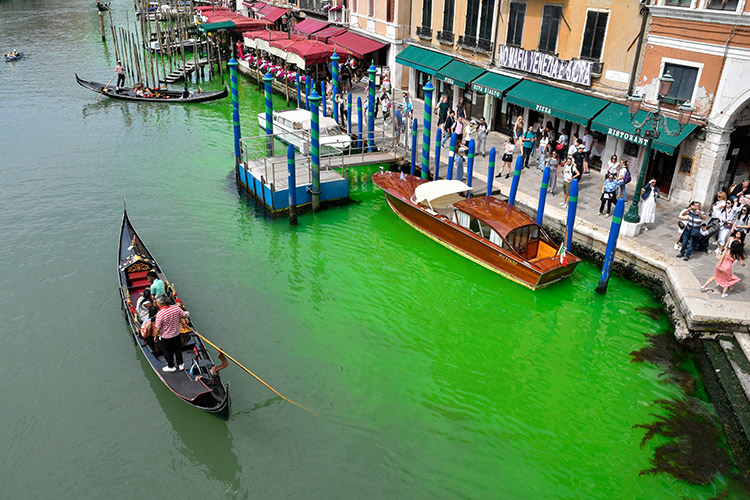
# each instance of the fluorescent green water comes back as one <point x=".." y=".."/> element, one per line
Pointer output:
<point x="432" y="377"/>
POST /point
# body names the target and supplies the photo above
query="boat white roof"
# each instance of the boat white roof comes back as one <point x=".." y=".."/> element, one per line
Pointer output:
<point x="305" y="117"/>
<point x="431" y="191"/>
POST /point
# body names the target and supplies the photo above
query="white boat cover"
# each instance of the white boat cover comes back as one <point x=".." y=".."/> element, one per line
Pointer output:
<point x="440" y="193"/>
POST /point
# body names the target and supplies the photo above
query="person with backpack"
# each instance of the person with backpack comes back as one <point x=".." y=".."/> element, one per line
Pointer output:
<point x="623" y="178"/>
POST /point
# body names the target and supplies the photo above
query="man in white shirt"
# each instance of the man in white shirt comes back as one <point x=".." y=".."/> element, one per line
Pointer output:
<point x="588" y="141"/>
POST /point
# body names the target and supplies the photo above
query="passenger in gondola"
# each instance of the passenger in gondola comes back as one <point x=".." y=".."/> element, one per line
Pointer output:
<point x="185" y="93"/>
<point x="144" y="302"/>
<point x="148" y="329"/>
<point x="157" y="285"/>
<point x="138" y="89"/>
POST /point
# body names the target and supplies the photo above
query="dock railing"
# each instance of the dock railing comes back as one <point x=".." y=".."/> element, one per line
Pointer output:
<point x="255" y="152"/>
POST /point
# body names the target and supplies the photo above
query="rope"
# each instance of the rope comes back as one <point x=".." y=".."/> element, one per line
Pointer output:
<point x="221" y="351"/>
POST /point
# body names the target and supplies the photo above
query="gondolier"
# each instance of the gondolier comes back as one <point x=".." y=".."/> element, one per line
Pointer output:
<point x="120" y="70"/>
<point x="168" y="329"/>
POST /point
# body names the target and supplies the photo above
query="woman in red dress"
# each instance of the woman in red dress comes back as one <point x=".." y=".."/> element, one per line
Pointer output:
<point x="723" y="271"/>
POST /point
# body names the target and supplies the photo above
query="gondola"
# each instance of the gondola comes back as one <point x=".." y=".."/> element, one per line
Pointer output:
<point x="103" y="7"/>
<point x="13" y="56"/>
<point x="197" y="385"/>
<point x="169" y="96"/>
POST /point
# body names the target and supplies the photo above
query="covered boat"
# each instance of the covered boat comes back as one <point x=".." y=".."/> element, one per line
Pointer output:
<point x="199" y="384"/>
<point x="128" y="94"/>
<point x="293" y="127"/>
<point x="491" y="232"/>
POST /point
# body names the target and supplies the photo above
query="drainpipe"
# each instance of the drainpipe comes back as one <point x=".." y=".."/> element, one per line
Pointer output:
<point x="634" y="74"/>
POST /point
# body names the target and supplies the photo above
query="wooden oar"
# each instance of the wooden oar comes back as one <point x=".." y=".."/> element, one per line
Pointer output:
<point x="105" y="87"/>
<point x="221" y="352"/>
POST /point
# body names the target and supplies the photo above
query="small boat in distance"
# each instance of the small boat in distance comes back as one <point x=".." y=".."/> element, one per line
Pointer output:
<point x="103" y="7"/>
<point x="13" y="56"/>
<point x="199" y="384"/>
<point x="293" y="127"/>
<point x="159" y="95"/>
<point x="491" y="232"/>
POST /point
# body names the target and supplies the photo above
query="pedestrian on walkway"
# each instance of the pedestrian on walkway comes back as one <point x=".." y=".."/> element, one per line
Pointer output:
<point x="518" y="129"/>
<point x="460" y="109"/>
<point x="458" y="129"/>
<point x="612" y="167"/>
<point x="442" y="110"/>
<point x="647" y="208"/>
<point x="482" y="137"/>
<point x="528" y="145"/>
<point x="554" y="165"/>
<point x="623" y="178"/>
<point x="562" y="145"/>
<point x="588" y="141"/>
<point x="578" y="158"/>
<point x="507" y="158"/>
<point x="459" y="164"/>
<point x="609" y="194"/>
<point x="726" y="221"/>
<point x="398" y="125"/>
<point x="570" y="172"/>
<point x="448" y="128"/>
<point x="543" y="149"/>
<point x="723" y="274"/>
<point x="693" y="217"/>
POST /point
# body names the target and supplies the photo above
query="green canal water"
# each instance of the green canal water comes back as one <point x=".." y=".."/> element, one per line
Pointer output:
<point x="430" y="376"/>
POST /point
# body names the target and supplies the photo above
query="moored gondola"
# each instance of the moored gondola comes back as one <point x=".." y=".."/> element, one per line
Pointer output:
<point x="170" y="96"/>
<point x="199" y="384"/>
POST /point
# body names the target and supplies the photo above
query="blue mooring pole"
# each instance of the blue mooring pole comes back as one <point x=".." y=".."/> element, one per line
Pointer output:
<point x="438" y="138"/>
<point x="349" y="113"/>
<point x="292" y="184"/>
<point x="470" y="166"/>
<point x="572" y="205"/>
<point x="427" y="129"/>
<point x="360" y="145"/>
<point x="371" y="107"/>
<point x="516" y="180"/>
<point x="542" y="195"/>
<point x="235" y="115"/>
<point x="296" y="84"/>
<point x="307" y="93"/>
<point x="414" y="147"/>
<point x="491" y="172"/>
<point x="315" y="150"/>
<point x="268" y="82"/>
<point x="609" y="253"/>
<point x="452" y="155"/>
<point x="324" y="97"/>
<point x="335" y="75"/>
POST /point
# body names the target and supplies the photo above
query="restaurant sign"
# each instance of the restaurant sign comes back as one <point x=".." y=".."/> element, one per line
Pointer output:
<point x="531" y="61"/>
<point x="630" y="137"/>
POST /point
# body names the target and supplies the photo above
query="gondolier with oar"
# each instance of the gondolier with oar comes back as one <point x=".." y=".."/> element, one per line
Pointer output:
<point x="168" y="329"/>
<point x="120" y="70"/>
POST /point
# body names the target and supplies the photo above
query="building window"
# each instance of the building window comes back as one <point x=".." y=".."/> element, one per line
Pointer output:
<point x="371" y="8"/>
<point x="389" y="11"/>
<point x="593" y="35"/>
<point x="684" y="81"/>
<point x="485" y="25"/>
<point x="678" y="3"/>
<point x="515" y="24"/>
<point x="550" y="27"/>
<point x="427" y="13"/>
<point x="472" y="18"/>
<point x="448" y="14"/>
<point x="722" y="4"/>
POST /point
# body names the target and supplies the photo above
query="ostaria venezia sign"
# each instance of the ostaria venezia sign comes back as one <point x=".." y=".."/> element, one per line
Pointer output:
<point x="531" y="61"/>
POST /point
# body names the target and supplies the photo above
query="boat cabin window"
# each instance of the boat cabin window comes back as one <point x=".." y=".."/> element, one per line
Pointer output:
<point x="297" y="126"/>
<point x="525" y="240"/>
<point x="462" y="219"/>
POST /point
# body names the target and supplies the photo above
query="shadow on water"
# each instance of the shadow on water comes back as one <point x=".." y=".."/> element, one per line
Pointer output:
<point x="691" y="445"/>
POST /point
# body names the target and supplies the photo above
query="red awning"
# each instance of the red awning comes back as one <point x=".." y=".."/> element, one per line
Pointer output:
<point x="358" y="45"/>
<point x="324" y="34"/>
<point x="311" y="51"/>
<point x="258" y="5"/>
<point x="246" y="24"/>
<point x="271" y="35"/>
<point x="212" y="8"/>
<point x="310" y="26"/>
<point x="271" y="13"/>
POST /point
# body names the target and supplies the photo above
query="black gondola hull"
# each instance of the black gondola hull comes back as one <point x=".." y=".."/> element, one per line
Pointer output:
<point x="171" y="97"/>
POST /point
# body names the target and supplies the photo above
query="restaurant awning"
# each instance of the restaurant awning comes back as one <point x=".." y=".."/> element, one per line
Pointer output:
<point x="219" y="26"/>
<point x="493" y="84"/>
<point x="459" y="73"/>
<point x="571" y="106"/>
<point x="424" y="60"/>
<point x="271" y="13"/>
<point x="310" y="26"/>
<point x="260" y="38"/>
<point x="615" y="121"/>
<point x="358" y="45"/>
<point x="331" y="31"/>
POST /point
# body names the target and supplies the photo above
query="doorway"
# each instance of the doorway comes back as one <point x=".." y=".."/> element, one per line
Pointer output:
<point x="662" y="167"/>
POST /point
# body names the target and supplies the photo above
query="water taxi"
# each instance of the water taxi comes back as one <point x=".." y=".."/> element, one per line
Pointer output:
<point x="293" y="127"/>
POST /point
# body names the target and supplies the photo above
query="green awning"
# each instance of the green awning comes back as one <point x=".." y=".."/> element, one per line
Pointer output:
<point x="493" y="84"/>
<point x="459" y="73"/>
<point x="615" y="121"/>
<point x="571" y="106"/>
<point x="220" y="26"/>
<point x="424" y="60"/>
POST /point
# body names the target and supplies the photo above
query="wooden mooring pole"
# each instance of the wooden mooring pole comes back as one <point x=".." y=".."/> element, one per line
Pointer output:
<point x="101" y="26"/>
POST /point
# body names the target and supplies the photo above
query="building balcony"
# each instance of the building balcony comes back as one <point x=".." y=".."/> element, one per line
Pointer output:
<point x="467" y="42"/>
<point x="424" y="32"/>
<point x="316" y="6"/>
<point x="445" y="37"/>
<point x="484" y="46"/>
<point x="475" y="44"/>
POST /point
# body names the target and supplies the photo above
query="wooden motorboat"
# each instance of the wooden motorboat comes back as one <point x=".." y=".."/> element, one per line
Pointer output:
<point x="491" y="232"/>
<point x="199" y="384"/>
<point x="169" y="96"/>
<point x="293" y="127"/>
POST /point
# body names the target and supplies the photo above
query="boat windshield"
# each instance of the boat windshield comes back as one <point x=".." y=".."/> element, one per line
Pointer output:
<point x="525" y="240"/>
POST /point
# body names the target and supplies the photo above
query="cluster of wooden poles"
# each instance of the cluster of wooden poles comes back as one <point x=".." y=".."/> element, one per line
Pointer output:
<point x="170" y="29"/>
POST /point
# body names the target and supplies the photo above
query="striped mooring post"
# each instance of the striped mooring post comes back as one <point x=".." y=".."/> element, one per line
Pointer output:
<point x="491" y="172"/>
<point x="335" y="73"/>
<point x="572" y="205"/>
<point x="235" y="114"/>
<point x="371" y="107"/>
<point x="470" y="165"/>
<point x="268" y="85"/>
<point x="349" y="113"/>
<point x="515" y="181"/>
<point x="291" y="166"/>
<point x="438" y="138"/>
<point x="542" y="195"/>
<point x="414" y="147"/>
<point x="296" y="84"/>
<point x="324" y="102"/>
<point x="451" y="155"/>
<point x="307" y="92"/>
<point x="315" y="149"/>
<point x="427" y="129"/>
<point x="609" y="253"/>
<point x="360" y="144"/>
